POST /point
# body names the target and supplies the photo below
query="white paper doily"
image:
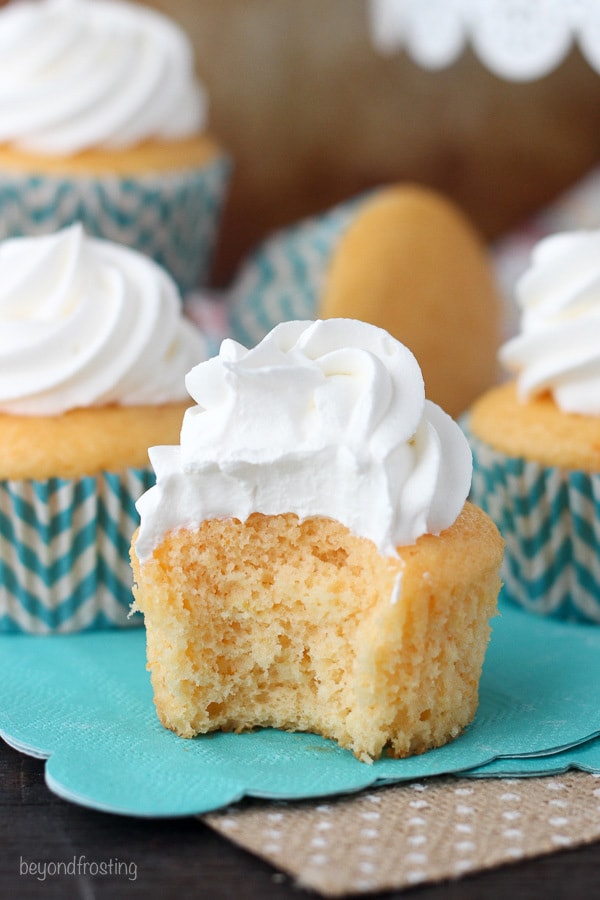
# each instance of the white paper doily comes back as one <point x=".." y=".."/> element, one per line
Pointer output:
<point x="519" y="40"/>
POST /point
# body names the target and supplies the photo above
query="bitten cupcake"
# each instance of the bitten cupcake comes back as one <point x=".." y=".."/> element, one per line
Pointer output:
<point x="307" y="560"/>
<point x="536" y="439"/>
<point x="103" y="121"/>
<point x="93" y="352"/>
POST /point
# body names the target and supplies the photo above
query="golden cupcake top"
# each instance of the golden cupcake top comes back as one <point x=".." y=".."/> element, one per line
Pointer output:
<point x="549" y="412"/>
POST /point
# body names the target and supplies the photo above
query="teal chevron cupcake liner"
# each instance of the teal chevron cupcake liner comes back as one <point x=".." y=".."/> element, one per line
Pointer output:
<point x="64" y="551"/>
<point x="172" y="218"/>
<point x="550" y="521"/>
<point x="283" y="279"/>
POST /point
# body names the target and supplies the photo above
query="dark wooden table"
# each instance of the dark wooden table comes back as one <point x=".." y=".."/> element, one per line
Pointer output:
<point x="184" y="858"/>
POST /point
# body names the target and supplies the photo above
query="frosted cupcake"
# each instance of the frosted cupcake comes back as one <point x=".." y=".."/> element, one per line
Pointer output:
<point x="103" y="121"/>
<point x="307" y="560"/>
<point x="93" y="351"/>
<point x="536" y="439"/>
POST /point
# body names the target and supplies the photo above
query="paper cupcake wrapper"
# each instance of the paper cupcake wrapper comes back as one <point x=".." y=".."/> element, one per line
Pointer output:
<point x="550" y="521"/>
<point x="283" y="279"/>
<point x="172" y="218"/>
<point x="64" y="551"/>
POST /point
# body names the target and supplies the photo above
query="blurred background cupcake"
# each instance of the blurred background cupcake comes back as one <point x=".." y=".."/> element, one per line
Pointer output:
<point x="536" y="439"/>
<point x="93" y="353"/>
<point x="397" y="257"/>
<point x="103" y="121"/>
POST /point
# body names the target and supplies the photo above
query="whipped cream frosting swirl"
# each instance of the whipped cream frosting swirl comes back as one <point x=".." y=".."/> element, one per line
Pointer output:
<point x="325" y="418"/>
<point x="80" y="74"/>
<point x="558" y="349"/>
<point x="85" y="322"/>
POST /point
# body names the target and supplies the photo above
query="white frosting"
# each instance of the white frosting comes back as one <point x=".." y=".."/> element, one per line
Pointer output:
<point x="76" y="74"/>
<point x="325" y="418"/>
<point x="558" y="349"/>
<point x="85" y="322"/>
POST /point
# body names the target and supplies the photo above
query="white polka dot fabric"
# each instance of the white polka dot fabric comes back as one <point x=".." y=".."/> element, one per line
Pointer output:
<point x="418" y="832"/>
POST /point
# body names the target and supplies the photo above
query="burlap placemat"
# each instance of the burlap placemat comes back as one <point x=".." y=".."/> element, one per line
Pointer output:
<point x="399" y="836"/>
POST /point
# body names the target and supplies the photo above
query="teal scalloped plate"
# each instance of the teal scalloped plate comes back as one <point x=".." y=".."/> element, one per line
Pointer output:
<point x="584" y="756"/>
<point x="84" y="703"/>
